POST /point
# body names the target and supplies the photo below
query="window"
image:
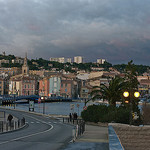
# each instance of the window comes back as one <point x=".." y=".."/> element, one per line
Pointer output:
<point x="61" y="85"/>
<point x="28" y="86"/>
<point x="66" y="85"/>
<point x="55" y="84"/>
<point x="25" y="86"/>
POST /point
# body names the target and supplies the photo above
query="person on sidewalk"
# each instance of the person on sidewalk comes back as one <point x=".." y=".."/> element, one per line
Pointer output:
<point x="10" y="117"/>
<point x="70" y="117"/>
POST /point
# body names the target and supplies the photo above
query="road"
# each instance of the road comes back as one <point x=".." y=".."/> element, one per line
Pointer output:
<point x="40" y="133"/>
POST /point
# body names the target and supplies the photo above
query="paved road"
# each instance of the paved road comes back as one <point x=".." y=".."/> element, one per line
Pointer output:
<point x="41" y="133"/>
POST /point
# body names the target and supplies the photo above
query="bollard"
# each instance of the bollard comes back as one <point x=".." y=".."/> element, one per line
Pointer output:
<point x="73" y="134"/>
<point x="6" y="126"/>
<point x="77" y="128"/>
<point x="63" y="120"/>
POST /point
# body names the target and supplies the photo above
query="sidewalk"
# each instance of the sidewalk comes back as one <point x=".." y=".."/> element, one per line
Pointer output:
<point x="94" y="138"/>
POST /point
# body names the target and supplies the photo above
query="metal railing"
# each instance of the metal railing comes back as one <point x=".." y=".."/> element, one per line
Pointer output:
<point x="79" y="127"/>
<point x="6" y="126"/>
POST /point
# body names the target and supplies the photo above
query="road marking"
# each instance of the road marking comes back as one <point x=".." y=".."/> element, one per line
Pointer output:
<point x="37" y="122"/>
<point x="51" y="127"/>
<point x="55" y="122"/>
<point x="31" y="122"/>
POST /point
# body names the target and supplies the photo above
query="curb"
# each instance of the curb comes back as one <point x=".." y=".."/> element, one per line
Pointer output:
<point x="114" y="142"/>
<point x="15" y="129"/>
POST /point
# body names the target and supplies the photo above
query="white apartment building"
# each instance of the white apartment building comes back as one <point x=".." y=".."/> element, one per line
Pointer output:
<point x="78" y="59"/>
<point x="61" y="59"/>
<point x="101" y="61"/>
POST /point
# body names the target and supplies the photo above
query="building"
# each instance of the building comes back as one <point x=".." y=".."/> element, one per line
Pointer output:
<point x="101" y="61"/>
<point x="61" y="60"/>
<point x="17" y="60"/>
<point x="78" y="59"/>
<point x="10" y="71"/>
<point x="50" y="86"/>
<point x="23" y="84"/>
<point x="58" y="85"/>
<point x="4" y="61"/>
<point x="4" y="84"/>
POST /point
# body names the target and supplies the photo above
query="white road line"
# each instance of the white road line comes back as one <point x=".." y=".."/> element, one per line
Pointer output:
<point x="37" y="122"/>
<point x="51" y="127"/>
<point x="55" y="122"/>
<point x="31" y="122"/>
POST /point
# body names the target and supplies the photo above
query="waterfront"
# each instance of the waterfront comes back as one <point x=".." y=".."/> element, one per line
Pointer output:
<point x="58" y="108"/>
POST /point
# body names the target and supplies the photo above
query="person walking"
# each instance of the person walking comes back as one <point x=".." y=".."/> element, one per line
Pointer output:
<point x="10" y="117"/>
<point x="70" y="117"/>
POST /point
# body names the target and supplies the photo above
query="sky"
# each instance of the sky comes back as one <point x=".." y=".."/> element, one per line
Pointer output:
<point x="115" y="30"/>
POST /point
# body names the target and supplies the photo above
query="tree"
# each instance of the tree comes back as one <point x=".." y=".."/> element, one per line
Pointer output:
<point x="132" y="84"/>
<point x="112" y="92"/>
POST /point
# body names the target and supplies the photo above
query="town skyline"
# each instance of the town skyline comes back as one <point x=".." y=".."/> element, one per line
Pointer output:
<point x="117" y="31"/>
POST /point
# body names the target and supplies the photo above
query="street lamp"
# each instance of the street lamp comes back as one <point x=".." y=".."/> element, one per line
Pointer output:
<point x="43" y="99"/>
<point x="127" y="94"/>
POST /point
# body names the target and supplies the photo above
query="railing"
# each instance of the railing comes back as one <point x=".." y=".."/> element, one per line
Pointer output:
<point x="6" y="126"/>
<point x="79" y="127"/>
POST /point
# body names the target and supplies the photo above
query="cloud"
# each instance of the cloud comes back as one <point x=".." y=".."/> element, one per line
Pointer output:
<point x="112" y="29"/>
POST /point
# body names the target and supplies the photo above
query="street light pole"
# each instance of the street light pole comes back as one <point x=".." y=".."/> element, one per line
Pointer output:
<point x="43" y="99"/>
<point x="127" y="94"/>
<point x="14" y="100"/>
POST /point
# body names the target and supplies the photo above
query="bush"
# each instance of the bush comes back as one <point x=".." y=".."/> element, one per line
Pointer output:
<point x="103" y="113"/>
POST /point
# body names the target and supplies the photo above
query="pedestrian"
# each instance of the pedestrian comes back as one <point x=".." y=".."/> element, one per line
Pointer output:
<point x="10" y="117"/>
<point x="70" y="117"/>
<point x="23" y="121"/>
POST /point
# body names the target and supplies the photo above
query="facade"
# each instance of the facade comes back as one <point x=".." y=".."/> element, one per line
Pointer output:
<point x="58" y="85"/>
<point x="4" y="61"/>
<point x="10" y="71"/>
<point x="17" y="60"/>
<point x="54" y="86"/>
<point x="4" y="84"/>
<point x="23" y="84"/>
<point x="144" y="86"/>
<point x="101" y="61"/>
<point x="61" y="60"/>
<point x="49" y="86"/>
<point x="78" y="59"/>
<point x="66" y="89"/>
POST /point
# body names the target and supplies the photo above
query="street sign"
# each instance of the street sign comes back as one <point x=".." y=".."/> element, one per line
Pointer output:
<point x="72" y="106"/>
<point x="31" y="105"/>
<point x="85" y="108"/>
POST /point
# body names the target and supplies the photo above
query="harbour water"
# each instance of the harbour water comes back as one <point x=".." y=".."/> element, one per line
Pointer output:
<point x="57" y="108"/>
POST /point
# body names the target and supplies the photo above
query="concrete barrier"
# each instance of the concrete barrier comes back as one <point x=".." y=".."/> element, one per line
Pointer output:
<point x="114" y="142"/>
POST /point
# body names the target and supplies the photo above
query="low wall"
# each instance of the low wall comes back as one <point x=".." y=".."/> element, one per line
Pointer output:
<point x="114" y="142"/>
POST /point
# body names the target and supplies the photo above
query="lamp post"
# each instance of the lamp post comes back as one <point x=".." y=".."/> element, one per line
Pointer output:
<point x="43" y="99"/>
<point x="126" y="94"/>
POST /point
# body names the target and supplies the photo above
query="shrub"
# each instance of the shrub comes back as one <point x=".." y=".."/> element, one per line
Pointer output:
<point x="103" y="113"/>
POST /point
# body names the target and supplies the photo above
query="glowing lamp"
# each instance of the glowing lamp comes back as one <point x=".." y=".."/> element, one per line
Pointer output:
<point x="126" y="94"/>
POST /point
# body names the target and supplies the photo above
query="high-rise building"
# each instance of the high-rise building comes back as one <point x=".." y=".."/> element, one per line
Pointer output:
<point x="101" y="61"/>
<point x="61" y="59"/>
<point x="78" y="59"/>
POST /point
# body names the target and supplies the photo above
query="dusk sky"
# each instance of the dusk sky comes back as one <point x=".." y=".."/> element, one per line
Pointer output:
<point x="115" y="30"/>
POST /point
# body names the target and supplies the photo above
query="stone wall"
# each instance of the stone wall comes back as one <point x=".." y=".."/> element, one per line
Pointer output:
<point x="133" y="137"/>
